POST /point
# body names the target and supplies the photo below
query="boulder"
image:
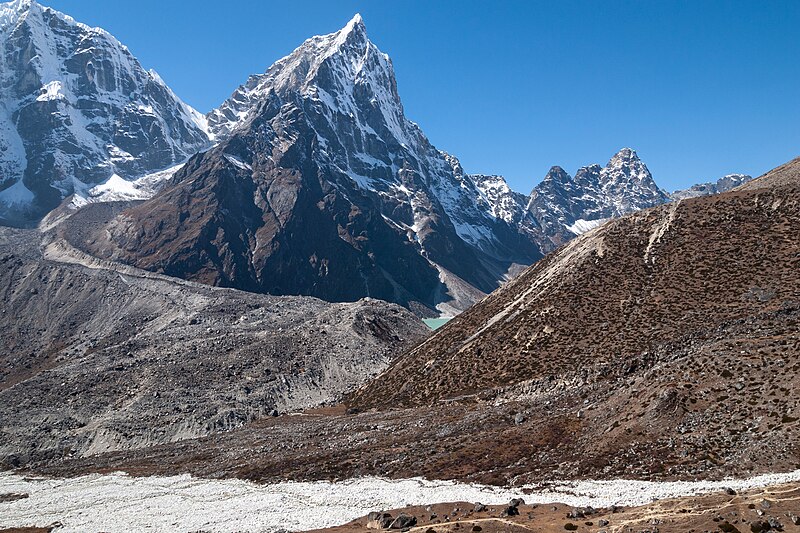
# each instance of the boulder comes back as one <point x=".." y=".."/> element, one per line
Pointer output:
<point x="403" y="521"/>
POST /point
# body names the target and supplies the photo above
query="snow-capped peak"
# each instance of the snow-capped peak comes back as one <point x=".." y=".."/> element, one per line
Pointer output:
<point x="357" y="20"/>
<point x="624" y="155"/>
<point x="77" y="108"/>
<point x="355" y="26"/>
<point x="9" y="11"/>
<point x="627" y="162"/>
<point x="595" y="194"/>
<point x="326" y="68"/>
<point x="558" y="174"/>
<point x="14" y="12"/>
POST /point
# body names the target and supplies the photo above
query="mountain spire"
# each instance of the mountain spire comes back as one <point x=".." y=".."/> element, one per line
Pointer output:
<point x="356" y="24"/>
<point x="624" y="155"/>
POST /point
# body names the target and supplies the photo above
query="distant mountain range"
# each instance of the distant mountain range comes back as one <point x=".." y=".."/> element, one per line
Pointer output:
<point x="308" y="180"/>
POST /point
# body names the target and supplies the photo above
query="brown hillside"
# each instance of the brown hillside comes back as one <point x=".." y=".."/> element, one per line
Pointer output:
<point x="655" y="282"/>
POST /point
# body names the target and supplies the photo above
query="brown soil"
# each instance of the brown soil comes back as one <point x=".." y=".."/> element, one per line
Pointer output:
<point x="786" y="175"/>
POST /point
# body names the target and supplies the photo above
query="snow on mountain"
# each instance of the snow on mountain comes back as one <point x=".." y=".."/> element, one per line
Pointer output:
<point x="500" y="201"/>
<point x="348" y="88"/>
<point x="76" y="110"/>
<point x="117" y="189"/>
<point x="322" y="129"/>
<point x="566" y="206"/>
<point x="723" y="184"/>
<point x="337" y="193"/>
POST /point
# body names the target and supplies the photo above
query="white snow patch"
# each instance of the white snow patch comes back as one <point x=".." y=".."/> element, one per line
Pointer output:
<point x="52" y="90"/>
<point x="117" y="188"/>
<point x="118" y="154"/>
<point x="238" y="162"/>
<point x="117" y="502"/>
<point x="581" y="226"/>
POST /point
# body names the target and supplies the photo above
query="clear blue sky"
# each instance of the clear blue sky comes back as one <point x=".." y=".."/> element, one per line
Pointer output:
<point x="699" y="88"/>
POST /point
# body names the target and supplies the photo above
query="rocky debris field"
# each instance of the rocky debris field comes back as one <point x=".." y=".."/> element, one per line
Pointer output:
<point x="95" y="356"/>
<point x="116" y="503"/>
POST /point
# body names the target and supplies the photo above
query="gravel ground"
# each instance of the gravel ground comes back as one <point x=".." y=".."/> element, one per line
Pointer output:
<point x="97" y="356"/>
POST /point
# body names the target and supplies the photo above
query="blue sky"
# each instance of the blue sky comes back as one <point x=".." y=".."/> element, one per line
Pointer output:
<point x="699" y="88"/>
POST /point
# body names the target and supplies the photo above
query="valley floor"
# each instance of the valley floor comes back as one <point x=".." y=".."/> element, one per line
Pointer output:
<point x="119" y="502"/>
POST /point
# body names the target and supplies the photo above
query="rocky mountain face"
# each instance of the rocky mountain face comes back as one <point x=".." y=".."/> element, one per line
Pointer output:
<point x="320" y="185"/>
<point x="96" y="356"/>
<point x="724" y="184"/>
<point x="563" y="206"/>
<point x="77" y="110"/>
<point x="566" y="206"/>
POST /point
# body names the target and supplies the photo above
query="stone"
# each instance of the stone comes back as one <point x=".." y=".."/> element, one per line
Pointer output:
<point x="379" y="520"/>
<point x="403" y="521"/>
<point x="510" y="510"/>
<point x="774" y="523"/>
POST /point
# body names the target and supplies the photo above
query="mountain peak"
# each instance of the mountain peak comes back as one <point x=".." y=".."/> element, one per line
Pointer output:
<point x="327" y="68"/>
<point x="626" y="163"/>
<point x="32" y="12"/>
<point x="351" y="40"/>
<point x="556" y="173"/>
<point x="356" y="24"/>
<point x="626" y="155"/>
<point x="18" y="5"/>
<point x="83" y="100"/>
